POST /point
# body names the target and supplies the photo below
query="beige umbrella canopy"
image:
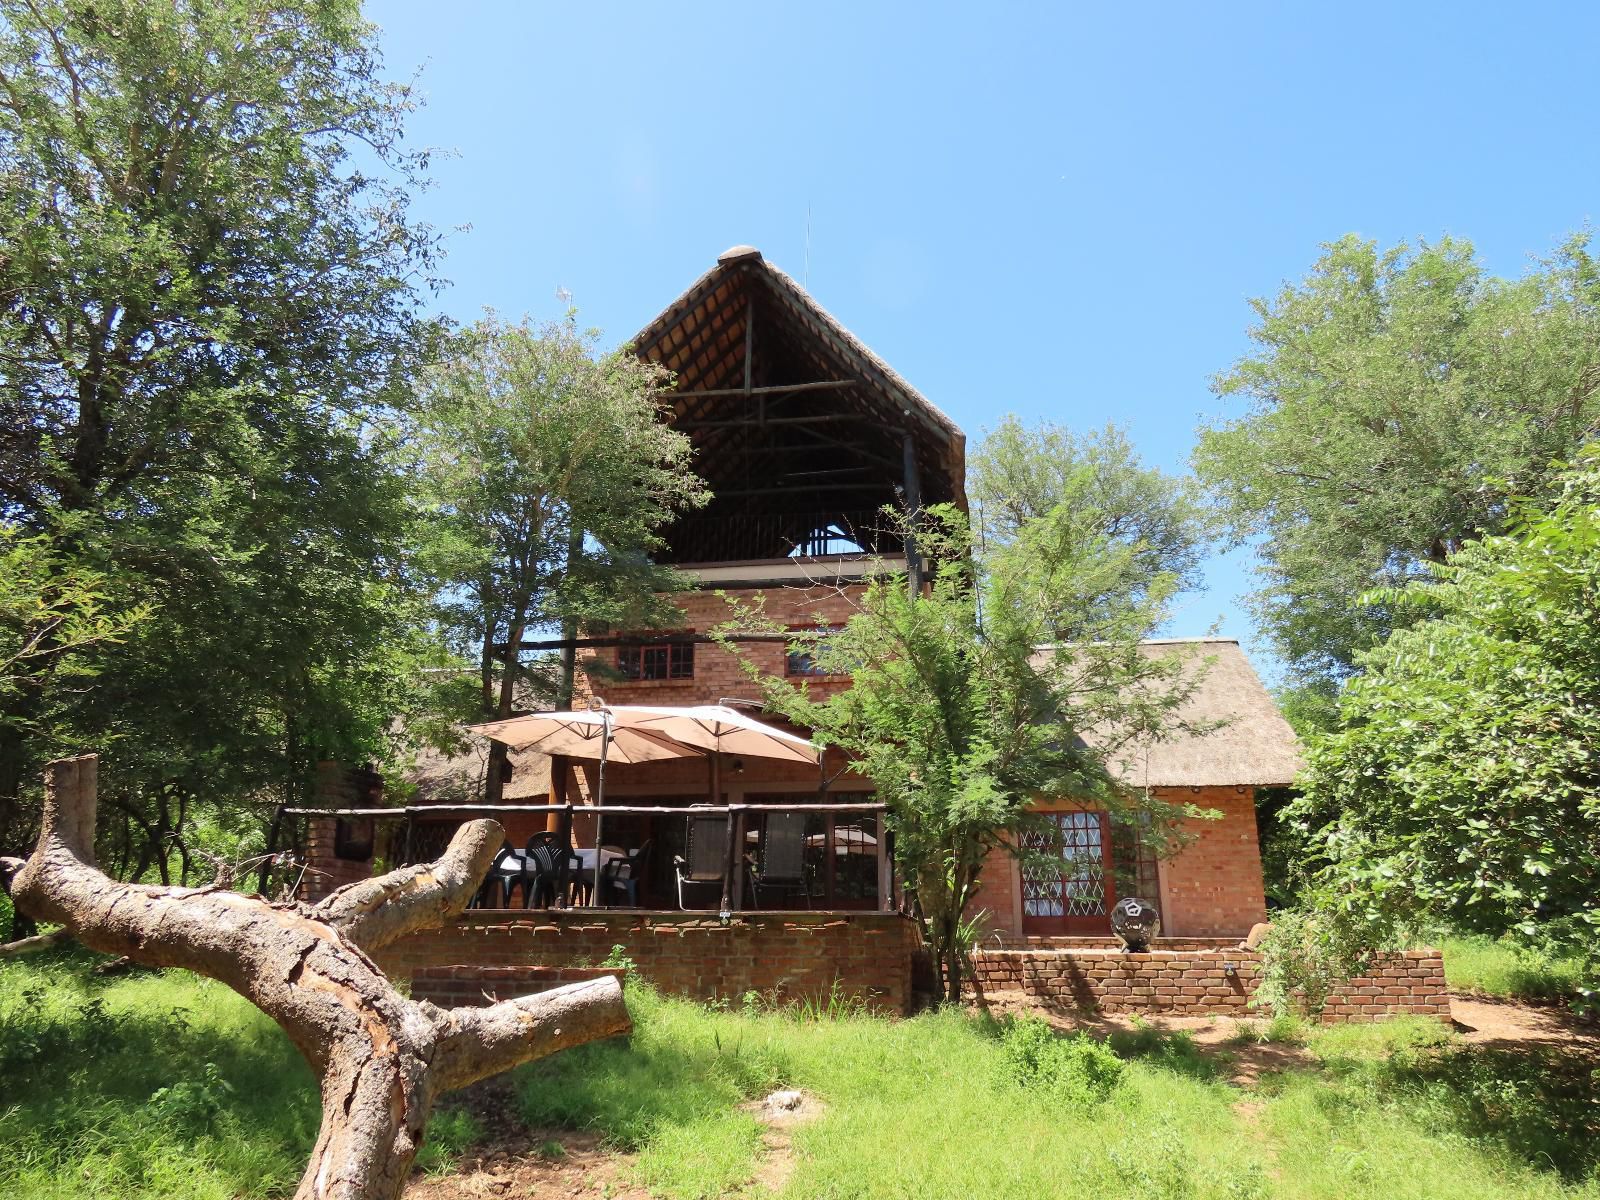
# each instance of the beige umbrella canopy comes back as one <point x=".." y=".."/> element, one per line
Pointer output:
<point x="581" y="735"/>
<point x="715" y="728"/>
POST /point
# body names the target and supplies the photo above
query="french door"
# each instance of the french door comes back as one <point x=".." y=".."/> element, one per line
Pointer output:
<point x="1067" y="883"/>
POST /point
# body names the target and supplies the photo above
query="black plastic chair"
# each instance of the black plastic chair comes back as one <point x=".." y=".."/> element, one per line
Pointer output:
<point x="503" y="876"/>
<point x="623" y="874"/>
<point x="546" y="861"/>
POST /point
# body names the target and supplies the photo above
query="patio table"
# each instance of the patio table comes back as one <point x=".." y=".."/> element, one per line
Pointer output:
<point x="584" y="875"/>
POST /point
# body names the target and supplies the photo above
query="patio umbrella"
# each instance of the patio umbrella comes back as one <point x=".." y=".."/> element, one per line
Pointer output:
<point x="848" y="839"/>
<point x="582" y="735"/>
<point x="716" y="728"/>
<point x="719" y="730"/>
<point x="591" y="735"/>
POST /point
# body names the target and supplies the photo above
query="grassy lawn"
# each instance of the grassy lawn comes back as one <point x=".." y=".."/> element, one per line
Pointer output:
<point x="164" y="1085"/>
<point x="1473" y="963"/>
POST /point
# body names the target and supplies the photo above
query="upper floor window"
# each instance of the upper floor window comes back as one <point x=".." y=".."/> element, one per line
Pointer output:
<point x="660" y="660"/>
<point x="802" y="662"/>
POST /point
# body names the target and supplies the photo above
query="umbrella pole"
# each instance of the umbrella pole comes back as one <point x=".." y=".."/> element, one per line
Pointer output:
<point x="730" y="863"/>
<point x="598" y="900"/>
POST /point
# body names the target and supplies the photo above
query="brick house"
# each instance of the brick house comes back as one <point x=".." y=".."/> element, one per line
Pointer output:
<point x="804" y="435"/>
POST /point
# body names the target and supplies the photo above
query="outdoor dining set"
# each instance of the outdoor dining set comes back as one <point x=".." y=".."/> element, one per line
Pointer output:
<point x="550" y="873"/>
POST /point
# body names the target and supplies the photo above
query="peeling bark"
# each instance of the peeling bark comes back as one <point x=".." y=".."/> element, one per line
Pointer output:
<point x="383" y="1059"/>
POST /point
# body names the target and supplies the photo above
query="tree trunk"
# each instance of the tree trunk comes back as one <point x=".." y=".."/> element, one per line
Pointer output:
<point x="495" y="777"/>
<point x="383" y="1058"/>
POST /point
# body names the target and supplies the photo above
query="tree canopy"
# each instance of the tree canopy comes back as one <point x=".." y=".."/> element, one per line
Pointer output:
<point x="1461" y="784"/>
<point x="961" y="722"/>
<point x="1396" y="401"/>
<point x="548" y="474"/>
<point x="212" y="314"/>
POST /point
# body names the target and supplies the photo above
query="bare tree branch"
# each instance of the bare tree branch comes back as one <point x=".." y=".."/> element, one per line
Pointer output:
<point x="374" y="912"/>
<point x="383" y="1059"/>
<point x="29" y="945"/>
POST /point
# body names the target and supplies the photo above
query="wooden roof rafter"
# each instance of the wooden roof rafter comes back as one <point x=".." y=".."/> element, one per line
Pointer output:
<point x="792" y="418"/>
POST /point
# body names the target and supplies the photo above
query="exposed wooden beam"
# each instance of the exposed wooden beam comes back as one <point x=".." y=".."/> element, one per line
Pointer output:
<point x="913" y="486"/>
<point x="814" y="386"/>
<point x="498" y="649"/>
<point x="842" y="485"/>
<point x="754" y="422"/>
<point x="749" y="335"/>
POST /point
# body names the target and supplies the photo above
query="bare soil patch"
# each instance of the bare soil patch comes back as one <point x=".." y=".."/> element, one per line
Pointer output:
<point x="780" y="1112"/>
<point x="515" y="1160"/>
<point x="1506" y="1025"/>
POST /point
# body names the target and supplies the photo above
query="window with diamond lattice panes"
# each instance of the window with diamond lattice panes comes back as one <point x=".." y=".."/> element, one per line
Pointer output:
<point x="1067" y="887"/>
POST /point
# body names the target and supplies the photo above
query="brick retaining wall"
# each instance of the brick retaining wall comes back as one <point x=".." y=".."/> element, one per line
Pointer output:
<point x="784" y="955"/>
<point x="1185" y="983"/>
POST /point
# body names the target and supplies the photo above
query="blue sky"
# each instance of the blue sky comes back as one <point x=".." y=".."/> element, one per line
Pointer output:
<point x="1055" y="211"/>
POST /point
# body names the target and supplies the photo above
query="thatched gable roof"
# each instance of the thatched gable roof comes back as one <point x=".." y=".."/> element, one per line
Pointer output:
<point x="441" y="778"/>
<point x="1253" y="747"/>
<point x="794" y="420"/>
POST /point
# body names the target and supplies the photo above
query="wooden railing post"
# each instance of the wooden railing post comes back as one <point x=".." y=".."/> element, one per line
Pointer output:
<point x="730" y="862"/>
<point x="736" y="822"/>
<point x="885" y="874"/>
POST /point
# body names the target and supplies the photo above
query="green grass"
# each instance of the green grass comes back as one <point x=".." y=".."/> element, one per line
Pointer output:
<point x="1403" y="1110"/>
<point x="144" y="1085"/>
<point x="107" y="1091"/>
<point x="1489" y="967"/>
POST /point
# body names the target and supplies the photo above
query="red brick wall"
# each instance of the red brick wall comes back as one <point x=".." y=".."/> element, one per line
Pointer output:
<point x="1188" y="983"/>
<point x="326" y="871"/>
<point x="717" y="672"/>
<point x="795" y="955"/>
<point x="1211" y="888"/>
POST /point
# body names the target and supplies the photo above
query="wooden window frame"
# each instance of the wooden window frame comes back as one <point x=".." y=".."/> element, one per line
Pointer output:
<point x="678" y="657"/>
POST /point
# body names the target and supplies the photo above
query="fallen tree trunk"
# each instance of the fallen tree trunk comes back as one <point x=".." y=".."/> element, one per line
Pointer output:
<point x="383" y="1059"/>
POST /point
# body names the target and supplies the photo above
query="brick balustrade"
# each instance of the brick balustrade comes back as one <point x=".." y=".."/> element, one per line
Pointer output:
<point x="1185" y="982"/>
<point x="788" y="955"/>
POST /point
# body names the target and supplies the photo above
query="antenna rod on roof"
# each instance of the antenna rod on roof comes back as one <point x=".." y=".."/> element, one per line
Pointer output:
<point x="805" y="276"/>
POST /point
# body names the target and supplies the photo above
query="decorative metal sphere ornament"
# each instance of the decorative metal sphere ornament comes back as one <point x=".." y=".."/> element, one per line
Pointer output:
<point x="1136" y="922"/>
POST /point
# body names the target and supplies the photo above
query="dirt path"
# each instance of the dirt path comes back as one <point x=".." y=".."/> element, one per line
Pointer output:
<point x="1501" y="1024"/>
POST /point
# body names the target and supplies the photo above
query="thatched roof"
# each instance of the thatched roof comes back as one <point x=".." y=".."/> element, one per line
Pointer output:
<point x="1253" y="745"/>
<point x="794" y="421"/>
<point x="458" y="778"/>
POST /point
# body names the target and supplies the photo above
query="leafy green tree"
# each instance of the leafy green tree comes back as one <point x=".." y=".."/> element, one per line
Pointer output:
<point x="1461" y="785"/>
<point x="550" y="475"/>
<point x="49" y="611"/>
<point x="1142" y="531"/>
<point x="211" y="317"/>
<point x="1396" y="401"/>
<point x="961" y="722"/>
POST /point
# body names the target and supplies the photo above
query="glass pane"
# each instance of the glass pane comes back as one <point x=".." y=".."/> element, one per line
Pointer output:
<point x="855" y="857"/>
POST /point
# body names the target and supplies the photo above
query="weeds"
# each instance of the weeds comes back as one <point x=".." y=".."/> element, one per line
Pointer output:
<point x="451" y="1131"/>
<point x="107" y="1093"/>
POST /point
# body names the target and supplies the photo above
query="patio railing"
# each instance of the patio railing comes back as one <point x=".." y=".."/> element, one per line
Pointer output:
<point x="733" y="858"/>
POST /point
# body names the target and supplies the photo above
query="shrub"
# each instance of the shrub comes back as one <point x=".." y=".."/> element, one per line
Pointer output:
<point x="1076" y="1070"/>
<point x="1306" y="955"/>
